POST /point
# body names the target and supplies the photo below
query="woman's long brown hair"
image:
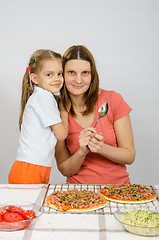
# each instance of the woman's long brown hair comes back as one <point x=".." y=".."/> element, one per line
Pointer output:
<point x="35" y="64"/>
<point x="91" y="95"/>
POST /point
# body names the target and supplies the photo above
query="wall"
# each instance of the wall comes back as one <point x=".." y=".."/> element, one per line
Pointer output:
<point x="123" y="37"/>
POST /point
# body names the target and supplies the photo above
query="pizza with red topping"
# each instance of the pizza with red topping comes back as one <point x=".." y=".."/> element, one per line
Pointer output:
<point x="128" y="193"/>
<point x="75" y="200"/>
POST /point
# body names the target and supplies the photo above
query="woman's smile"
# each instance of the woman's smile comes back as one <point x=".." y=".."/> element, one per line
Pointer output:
<point x="77" y="86"/>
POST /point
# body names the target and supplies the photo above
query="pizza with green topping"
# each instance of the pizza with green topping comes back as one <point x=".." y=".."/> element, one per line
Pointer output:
<point x="75" y="200"/>
<point x="128" y="193"/>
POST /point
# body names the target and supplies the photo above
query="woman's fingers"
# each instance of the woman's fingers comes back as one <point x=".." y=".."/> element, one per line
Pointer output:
<point x="96" y="142"/>
<point x="98" y="136"/>
<point x="83" y="142"/>
<point x="85" y="136"/>
<point x="89" y="138"/>
<point x="88" y="130"/>
<point x="95" y="147"/>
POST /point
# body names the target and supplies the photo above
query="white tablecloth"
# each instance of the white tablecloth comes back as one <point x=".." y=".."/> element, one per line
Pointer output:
<point x="65" y="226"/>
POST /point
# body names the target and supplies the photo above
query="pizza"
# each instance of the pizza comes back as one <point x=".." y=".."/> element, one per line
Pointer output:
<point x="128" y="193"/>
<point x="75" y="200"/>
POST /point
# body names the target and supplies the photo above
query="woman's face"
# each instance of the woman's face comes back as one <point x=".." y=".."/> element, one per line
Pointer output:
<point x="77" y="76"/>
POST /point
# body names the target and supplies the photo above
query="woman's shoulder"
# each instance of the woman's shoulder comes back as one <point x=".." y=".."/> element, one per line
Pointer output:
<point x="109" y="94"/>
<point x="117" y="105"/>
<point x="112" y="97"/>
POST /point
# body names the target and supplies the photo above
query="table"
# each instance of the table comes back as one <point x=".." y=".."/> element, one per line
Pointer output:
<point x="97" y="225"/>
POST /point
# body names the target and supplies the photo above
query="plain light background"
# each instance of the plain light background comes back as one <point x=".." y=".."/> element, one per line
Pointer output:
<point x="123" y="36"/>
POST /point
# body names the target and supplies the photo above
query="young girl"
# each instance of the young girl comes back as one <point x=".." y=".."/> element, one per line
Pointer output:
<point x="40" y="122"/>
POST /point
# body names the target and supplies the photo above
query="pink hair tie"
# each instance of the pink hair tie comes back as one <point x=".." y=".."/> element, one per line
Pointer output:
<point x="27" y="69"/>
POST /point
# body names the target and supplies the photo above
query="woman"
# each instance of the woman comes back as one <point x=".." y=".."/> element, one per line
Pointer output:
<point x="92" y="156"/>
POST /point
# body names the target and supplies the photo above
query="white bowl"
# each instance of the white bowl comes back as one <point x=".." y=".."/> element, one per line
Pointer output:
<point x="139" y="230"/>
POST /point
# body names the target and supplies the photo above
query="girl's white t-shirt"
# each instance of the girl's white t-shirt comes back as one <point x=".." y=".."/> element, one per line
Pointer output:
<point x="37" y="139"/>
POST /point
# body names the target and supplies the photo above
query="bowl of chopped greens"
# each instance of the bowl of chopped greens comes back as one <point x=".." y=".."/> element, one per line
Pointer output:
<point x="139" y="220"/>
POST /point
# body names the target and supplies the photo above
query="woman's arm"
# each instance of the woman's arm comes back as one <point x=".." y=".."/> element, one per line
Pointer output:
<point x="125" y="152"/>
<point x="69" y="165"/>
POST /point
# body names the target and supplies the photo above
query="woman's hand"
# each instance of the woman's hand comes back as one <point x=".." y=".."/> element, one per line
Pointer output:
<point x="84" y="139"/>
<point x="96" y="142"/>
<point x="70" y="165"/>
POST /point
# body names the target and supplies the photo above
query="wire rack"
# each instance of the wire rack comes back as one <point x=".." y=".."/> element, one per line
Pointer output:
<point x="110" y="208"/>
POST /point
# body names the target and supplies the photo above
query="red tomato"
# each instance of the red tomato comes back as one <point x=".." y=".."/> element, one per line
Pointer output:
<point x="22" y="212"/>
<point x="11" y="208"/>
<point x="2" y="212"/>
<point x="12" y="217"/>
<point x="30" y="214"/>
<point x="26" y="214"/>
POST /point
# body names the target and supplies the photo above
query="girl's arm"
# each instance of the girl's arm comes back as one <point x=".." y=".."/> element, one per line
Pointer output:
<point x="61" y="129"/>
<point x="69" y="165"/>
<point x="125" y="152"/>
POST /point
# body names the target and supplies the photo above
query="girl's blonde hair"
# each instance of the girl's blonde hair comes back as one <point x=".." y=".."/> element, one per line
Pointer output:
<point x="91" y="95"/>
<point x="34" y="66"/>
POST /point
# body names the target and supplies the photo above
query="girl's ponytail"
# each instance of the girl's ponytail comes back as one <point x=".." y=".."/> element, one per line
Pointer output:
<point x="27" y="91"/>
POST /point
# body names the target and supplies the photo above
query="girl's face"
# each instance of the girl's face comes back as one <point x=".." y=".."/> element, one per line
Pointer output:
<point x="77" y="76"/>
<point x="50" y="76"/>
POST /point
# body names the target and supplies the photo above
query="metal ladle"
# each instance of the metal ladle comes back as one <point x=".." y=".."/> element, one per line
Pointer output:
<point x="102" y="112"/>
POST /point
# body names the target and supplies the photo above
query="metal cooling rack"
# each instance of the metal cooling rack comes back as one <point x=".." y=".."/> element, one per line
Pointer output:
<point x="110" y="208"/>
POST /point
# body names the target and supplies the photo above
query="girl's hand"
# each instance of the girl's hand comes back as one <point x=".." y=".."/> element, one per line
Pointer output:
<point x="84" y="139"/>
<point x="96" y="142"/>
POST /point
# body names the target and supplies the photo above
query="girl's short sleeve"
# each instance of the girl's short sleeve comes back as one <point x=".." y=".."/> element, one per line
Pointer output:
<point x="47" y="109"/>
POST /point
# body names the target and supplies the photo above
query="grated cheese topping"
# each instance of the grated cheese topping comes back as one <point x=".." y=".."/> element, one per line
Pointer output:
<point x="141" y="218"/>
